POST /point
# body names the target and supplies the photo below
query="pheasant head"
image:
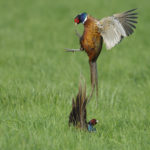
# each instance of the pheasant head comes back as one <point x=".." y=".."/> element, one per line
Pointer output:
<point x="81" y="18"/>
<point x="91" y="123"/>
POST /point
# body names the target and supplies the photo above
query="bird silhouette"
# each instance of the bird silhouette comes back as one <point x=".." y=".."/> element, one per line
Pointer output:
<point x="110" y="30"/>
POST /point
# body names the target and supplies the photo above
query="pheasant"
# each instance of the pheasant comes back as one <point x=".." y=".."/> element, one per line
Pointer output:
<point x="78" y="115"/>
<point x="110" y="30"/>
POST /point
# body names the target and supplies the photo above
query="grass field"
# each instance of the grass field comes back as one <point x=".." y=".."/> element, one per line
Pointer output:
<point x="38" y="79"/>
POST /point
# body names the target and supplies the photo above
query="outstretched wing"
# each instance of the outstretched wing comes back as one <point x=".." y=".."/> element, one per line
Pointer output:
<point x="116" y="27"/>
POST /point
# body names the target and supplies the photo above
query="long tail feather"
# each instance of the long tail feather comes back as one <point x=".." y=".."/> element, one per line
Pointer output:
<point x="77" y="115"/>
<point x="94" y="79"/>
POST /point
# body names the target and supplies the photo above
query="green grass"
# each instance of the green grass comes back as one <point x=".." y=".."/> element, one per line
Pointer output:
<point x="38" y="80"/>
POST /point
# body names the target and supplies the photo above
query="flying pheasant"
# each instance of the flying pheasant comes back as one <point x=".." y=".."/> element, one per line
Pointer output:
<point x="110" y="30"/>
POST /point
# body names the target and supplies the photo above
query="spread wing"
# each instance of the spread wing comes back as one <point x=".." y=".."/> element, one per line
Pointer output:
<point x="114" y="28"/>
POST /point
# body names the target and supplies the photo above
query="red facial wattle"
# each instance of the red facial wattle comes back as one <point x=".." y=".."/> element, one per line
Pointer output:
<point x="93" y="122"/>
<point x="76" y="20"/>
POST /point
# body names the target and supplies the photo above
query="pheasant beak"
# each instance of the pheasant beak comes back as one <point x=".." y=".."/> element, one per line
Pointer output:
<point x="75" y="24"/>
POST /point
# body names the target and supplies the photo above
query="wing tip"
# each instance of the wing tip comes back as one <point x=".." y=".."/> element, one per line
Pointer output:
<point x="131" y="10"/>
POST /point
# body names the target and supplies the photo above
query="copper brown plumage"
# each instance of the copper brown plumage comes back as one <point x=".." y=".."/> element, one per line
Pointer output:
<point x="110" y="30"/>
<point x="91" y="41"/>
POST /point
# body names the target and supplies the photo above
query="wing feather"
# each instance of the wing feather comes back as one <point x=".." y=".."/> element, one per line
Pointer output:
<point x="116" y="27"/>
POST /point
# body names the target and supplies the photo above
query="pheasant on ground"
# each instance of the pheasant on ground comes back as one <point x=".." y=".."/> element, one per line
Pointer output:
<point x="78" y="114"/>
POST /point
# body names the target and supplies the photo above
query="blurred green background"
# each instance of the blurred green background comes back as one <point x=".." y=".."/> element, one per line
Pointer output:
<point x="38" y="79"/>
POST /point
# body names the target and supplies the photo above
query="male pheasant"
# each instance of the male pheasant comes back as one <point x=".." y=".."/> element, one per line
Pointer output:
<point x="110" y="30"/>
